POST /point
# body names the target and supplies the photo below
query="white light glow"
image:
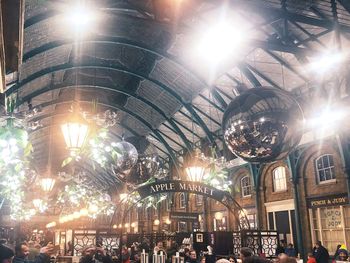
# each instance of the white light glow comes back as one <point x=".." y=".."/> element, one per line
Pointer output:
<point x="47" y="184"/>
<point x="326" y="118"/>
<point x="156" y="222"/>
<point x="327" y="61"/>
<point x="220" y="41"/>
<point x="80" y="18"/>
<point x="218" y="216"/>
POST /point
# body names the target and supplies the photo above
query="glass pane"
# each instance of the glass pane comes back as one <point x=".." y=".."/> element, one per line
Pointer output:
<point x="325" y="161"/>
<point x="322" y="175"/>
<point x="331" y="163"/>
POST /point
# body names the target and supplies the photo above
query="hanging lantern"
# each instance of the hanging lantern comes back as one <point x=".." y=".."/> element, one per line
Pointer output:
<point x="47" y="184"/>
<point x="75" y="131"/>
<point x="37" y="203"/>
<point x="195" y="169"/>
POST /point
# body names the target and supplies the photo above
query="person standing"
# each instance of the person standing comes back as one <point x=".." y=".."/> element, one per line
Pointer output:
<point x="290" y="250"/>
<point x="320" y="253"/>
<point x="193" y="257"/>
<point x="6" y="254"/>
<point x="281" y="247"/>
<point x="22" y="253"/>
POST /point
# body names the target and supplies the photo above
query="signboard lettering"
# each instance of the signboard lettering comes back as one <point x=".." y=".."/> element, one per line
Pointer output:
<point x="333" y="200"/>
<point x="181" y="186"/>
<point x="184" y="216"/>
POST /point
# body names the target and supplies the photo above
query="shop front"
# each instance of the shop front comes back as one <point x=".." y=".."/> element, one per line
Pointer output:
<point x="330" y="220"/>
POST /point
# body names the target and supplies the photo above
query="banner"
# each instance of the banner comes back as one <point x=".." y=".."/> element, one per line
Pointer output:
<point x="181" y="186"/>
<point x="184" y="216"/>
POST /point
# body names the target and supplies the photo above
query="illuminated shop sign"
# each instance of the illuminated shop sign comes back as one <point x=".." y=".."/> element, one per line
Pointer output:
<point x="332" y="200"/>
<point x="181" y="186"/>
<point x="184" y="216"/>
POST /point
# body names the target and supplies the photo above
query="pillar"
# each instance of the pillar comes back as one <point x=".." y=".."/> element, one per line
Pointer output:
<point x="343" y="144"/>
<point x="255" y="172"/>
<point x="292" y="163"/>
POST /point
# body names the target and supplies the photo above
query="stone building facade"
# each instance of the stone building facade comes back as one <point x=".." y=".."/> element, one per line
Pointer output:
<point x="322" y="202"/>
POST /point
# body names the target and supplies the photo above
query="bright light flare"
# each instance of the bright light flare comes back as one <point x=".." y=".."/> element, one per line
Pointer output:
<point x="327" y="118"/>
<point x="327" y="61"/>
<point x="220" y="41"/>
<point x="80" y="18"/>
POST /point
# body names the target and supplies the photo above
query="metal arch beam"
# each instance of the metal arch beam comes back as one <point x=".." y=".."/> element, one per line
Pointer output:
<point x="263" y="76"/>
<point x="118" y="90"/>
<point x="121" y="108"/>
<point x="123" y="70"/>
<point x="250" y="76"/>
<point x="129" y="43"/>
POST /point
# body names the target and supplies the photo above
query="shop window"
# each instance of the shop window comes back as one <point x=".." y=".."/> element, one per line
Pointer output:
<point x="279" y="179"/>
<point x="199" y="200"/>
<point x="182" y="200"/>
<point x="246" y="186"/>
<point x="331" y="225"/>
<point x="325" y="168"/>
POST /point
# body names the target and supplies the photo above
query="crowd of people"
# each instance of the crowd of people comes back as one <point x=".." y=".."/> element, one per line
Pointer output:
<point x="33" y="253"/>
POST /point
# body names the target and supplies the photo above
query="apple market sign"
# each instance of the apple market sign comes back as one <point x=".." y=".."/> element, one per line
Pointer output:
<point x="181" y="186"/>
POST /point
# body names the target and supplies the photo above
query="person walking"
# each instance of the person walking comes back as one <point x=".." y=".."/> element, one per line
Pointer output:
<point x="320" y="253"/>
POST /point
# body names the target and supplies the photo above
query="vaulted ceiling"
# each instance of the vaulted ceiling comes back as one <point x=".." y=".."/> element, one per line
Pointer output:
<point x="138" y="59"/>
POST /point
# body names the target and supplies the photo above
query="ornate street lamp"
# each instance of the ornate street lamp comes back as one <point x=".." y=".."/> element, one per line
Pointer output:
<point x="75" y="131"/>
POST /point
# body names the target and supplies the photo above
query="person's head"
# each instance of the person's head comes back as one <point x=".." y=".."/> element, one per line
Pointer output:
<point x="254" y="259"/>
<point x="231" y="259"/>
<point x="282" y="256"/>
<point x="290" y="245"/>
<point x="159" y="244"/>
<point x="6" y="254"/>
<point x="202" y="260"/>
<point x="37" y="246"/>
<point x="283" y="243"/>
<point x="288" y="260"/>
<point x="89" y="251"/>
<point x="318" y="244"/>
<point x="310" y="255"/>
<point x="343" y="255"/>
<point x="187" y="251"/>
<point x="222" y="260"/>
<point x="245" y="252"/>
<point x="22" y="250"/>
<point x="193" y="254"/>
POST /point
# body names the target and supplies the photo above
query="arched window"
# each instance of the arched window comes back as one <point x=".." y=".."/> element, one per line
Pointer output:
<point x="279" y="179"/>
<point x="246" y="186"/>
<point x="325" y="168"/>
<point x="182" y="200"/>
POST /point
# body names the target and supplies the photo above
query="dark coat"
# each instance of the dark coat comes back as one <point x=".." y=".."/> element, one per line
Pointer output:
<point x="321" y="254"/>
<point x="41" y="258"/>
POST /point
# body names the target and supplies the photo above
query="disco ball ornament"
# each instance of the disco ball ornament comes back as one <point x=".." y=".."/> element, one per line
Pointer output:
<point x="263" y="124"/>
<point x="126" y="160"/>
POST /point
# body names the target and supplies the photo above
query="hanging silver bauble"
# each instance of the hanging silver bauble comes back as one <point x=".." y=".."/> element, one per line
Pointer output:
<point x="126" y="160"/>
<point x="263" y="124"/>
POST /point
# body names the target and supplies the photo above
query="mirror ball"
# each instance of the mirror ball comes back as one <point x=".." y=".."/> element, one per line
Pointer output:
<point x="262" y="124"/>
<point x="126" y="159"/>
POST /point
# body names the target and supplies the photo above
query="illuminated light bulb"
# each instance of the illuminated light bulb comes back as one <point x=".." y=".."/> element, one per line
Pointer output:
<point x="156" y="222"/>
<point x="80" y="18"/>
<point x="84" y="212"/>
<point x="120" y="226"/>
<point x="133" y="224"/>
<point x="93" y="208"/>
<point x="114" y="226"/>
<point x="127" y="225"/>
<point x="218" y="216"/>
<point x="35" y="231"/>
<point x="47" y="184"/>
<point x="76" y="215"/>
<point x="123" y="197"/>
<point x="167" y="221"/>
